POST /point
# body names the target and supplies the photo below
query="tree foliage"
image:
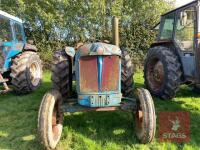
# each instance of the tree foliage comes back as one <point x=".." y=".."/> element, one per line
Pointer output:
<point x="55" y="23"/>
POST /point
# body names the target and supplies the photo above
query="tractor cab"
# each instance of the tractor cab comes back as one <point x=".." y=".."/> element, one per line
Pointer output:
<point x="174" y="58"/>
<point x="12" y="37"/>
<point x="180" y="26"/>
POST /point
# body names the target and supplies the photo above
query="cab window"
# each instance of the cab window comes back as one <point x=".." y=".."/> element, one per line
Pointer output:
<point x="18" y="32"/>
<point x="185" y="25"/>
<point x="5" y="30"/>
<point x="166" y="26"/>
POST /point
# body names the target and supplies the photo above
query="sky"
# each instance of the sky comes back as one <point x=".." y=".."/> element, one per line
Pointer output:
<point x="182" y="2"/>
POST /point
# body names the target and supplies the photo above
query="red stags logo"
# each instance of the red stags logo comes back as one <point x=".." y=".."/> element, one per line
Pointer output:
<point x="174" y="126"/>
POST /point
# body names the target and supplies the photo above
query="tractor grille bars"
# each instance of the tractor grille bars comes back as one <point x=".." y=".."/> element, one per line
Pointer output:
<point x="94" y="79"/>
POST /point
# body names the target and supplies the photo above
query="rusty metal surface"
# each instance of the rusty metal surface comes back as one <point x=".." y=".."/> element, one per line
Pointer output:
<point x="155" y="74"/>
<point x="99" y="49"/>
<point x="88" y="74"/>
<point x="126" y="105"/>
<point x="110" y="74"/>
<point x="115" y="31"/>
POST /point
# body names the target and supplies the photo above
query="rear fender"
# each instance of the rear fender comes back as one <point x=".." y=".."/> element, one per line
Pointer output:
<point x="70" y="51"/>
<point x="30" y="47"/>
<point x="167" y="43"/>
<point x="11" y="50"/>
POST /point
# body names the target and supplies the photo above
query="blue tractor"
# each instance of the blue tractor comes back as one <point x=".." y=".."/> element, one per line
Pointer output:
<point x="104" y="80"/>
<point x="19" y="63"/>
<point x="174" y="58"/>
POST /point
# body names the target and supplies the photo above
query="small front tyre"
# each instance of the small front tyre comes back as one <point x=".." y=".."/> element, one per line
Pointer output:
<point x="50" y="119"/>
<point x="145" y="118"/>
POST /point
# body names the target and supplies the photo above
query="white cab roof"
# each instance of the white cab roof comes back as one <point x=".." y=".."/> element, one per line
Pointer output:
<point x="2" y="13"/>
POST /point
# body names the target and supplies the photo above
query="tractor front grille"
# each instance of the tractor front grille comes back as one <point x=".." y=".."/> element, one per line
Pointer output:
<point x="88" y="74"/>
<point x="110" y="75"/>
<point x="93" y="79"/>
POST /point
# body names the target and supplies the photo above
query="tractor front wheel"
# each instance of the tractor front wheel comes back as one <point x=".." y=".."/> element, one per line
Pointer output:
<point x="145" y="117"/>
<point x="26" y="72"/>
<point x="50" y="119"/>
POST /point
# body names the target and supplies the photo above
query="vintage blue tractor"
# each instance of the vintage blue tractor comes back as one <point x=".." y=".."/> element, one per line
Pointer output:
<point x="19" y="63"/>
<point x="104" y="76"/>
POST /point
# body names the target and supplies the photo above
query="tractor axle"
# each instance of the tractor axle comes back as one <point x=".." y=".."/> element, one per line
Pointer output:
<point x="127" y="105"/>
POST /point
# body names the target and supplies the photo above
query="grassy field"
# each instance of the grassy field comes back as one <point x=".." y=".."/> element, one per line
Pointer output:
<point x="96" y="130"/>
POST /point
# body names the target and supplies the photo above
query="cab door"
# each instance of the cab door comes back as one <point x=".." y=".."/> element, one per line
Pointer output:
<point x="184" y="38"/>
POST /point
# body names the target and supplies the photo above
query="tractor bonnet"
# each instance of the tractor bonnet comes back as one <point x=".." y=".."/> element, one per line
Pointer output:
<point x="99" y="49"/>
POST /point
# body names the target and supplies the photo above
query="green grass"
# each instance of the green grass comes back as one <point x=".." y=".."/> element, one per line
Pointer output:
<point x="94" y="130"/>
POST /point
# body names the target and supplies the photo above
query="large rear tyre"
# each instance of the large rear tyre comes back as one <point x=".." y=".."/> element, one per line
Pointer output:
<point x="50" y="119"/>
<point x="145" y="117"/>
<point x="127" y="82"/>
<point x="26" y="72"/>
<point x="62" y="73"/>
<point x="162" y="72"/>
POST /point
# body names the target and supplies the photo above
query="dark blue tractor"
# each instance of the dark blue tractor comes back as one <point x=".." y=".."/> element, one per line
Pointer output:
<point x="174" y="59"/>
<point x="104" y="82"/>
<point x="19" y="63"/>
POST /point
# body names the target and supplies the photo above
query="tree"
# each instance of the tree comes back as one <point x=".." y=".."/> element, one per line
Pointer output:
<point x="55" y="23"/>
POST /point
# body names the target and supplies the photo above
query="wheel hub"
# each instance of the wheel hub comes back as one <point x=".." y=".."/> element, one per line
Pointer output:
<point x="158" y="72"/>
<point x="56" y="119"/>
<point x="139" y="119"/>
<point x="155" y="74"/>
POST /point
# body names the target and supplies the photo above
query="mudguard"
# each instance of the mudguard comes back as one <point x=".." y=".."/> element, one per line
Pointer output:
<point x="30" y="47"/>
<point x="99" y="49"/>
<point x="70" y="51"/>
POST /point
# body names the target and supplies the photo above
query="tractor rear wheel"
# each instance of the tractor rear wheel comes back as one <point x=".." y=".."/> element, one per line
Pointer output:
<point x="162" y="72"/>
<point x="50" y="119"/>
<point x="127" y="82"/>
<point x="145" y="117"/>
<point x="61" y="73"/>
<point x="26" y="72"/>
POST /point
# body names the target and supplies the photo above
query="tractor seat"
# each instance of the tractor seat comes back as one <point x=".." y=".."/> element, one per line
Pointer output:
<point x="186" y="45"/>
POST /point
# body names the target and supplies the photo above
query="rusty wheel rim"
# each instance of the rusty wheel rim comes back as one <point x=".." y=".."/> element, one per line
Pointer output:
<point x="155" y="74"/>
<point x="139" y="119"/>
<point x="56" y="120"/>
<point x="35" y="73"/>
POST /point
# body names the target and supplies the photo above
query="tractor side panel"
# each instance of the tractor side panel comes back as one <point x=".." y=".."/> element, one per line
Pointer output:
<point x="110" y="73"/>
<point x="88" y="74"/>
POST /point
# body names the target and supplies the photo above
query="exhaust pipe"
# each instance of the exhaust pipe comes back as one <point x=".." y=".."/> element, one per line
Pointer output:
<point x="115" y="31"/>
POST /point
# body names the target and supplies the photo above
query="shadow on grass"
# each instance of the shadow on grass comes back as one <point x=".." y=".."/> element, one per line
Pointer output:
<point x="102" y="127"/>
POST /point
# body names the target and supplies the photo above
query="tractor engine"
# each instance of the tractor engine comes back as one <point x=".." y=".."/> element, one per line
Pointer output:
<point x="98" y="75"/>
